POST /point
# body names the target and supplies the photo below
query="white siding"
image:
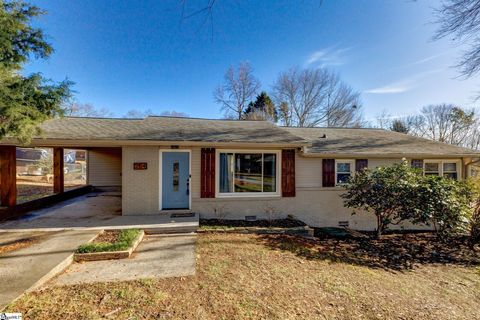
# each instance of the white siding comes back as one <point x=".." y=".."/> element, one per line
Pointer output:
<point x="308" y="172"/>
<point x="104" y="167"/>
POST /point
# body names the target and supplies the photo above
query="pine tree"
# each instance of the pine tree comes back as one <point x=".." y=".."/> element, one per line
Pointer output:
<point x="25" y="101"/>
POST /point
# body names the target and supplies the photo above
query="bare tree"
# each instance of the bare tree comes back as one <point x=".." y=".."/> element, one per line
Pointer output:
<point x="446" y="123"/>
<point x="87" y="110"/>
<point x="316" y="97"/>
<point x="460" y="19"/>
<point x="239" y="87"/>
<point x="285" y="114"/>
<point x="135" y="113"/>
<point x="174" y="114"/>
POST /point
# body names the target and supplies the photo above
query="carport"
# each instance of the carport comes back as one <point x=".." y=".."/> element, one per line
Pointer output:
<point x="103" y="171"/>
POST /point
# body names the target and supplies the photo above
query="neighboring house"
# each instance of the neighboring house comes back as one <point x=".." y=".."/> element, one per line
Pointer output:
<point x="237" y="169"/>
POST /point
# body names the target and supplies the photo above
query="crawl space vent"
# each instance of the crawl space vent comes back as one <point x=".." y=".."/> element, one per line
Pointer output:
<point x="250" y="218"/>
<point x="343" y="224"/>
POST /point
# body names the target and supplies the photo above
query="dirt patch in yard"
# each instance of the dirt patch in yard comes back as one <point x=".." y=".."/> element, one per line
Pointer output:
<point x="109" y="236"/>
<point x="246" y="276"/>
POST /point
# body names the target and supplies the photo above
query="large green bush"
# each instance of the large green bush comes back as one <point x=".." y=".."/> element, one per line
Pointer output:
<point x="443" y="203"/>
<point x="399" y="192"/>
<point x="387" y="192"/>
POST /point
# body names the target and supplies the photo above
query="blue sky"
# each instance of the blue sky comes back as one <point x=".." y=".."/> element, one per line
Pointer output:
<point x="126" y="55"/>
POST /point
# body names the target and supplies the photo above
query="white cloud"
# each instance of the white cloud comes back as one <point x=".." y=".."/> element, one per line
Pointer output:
<point x="330" y="56"/>
<point x="404" y="85"/>
<point x="397" y="87"/>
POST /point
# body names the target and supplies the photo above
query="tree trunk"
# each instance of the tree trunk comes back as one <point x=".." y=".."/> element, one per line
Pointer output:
<point x="379" y="227"/>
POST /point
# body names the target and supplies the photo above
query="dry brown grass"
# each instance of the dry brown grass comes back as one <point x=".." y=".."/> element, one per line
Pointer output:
<point x="17" y="245"/>
<point x="250" y="276"/>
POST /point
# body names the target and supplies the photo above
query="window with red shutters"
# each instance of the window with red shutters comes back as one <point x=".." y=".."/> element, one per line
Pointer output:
<point x="361" y="164"/>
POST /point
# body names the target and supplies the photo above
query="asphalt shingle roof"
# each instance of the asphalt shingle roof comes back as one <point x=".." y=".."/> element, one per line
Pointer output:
<point x="167" y="129"/>
<point x="354" y="141"/>
<point x="346" y="141"/>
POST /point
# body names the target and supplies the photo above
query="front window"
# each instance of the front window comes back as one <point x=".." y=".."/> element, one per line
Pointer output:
<point x="343" y="171"/>
<point x="450" y="170"/>
<point x="432" y="168"/>
<point x="447" y="169"/>
<point x="245" y="172"/>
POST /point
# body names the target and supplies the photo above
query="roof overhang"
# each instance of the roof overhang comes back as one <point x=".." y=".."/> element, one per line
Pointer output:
<point x="390" y="155"/>
<point x="71" y="143"/>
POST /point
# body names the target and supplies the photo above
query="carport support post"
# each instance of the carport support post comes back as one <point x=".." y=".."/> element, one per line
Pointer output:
<point x="58" y="183"/>
<point x="8" y="176"/>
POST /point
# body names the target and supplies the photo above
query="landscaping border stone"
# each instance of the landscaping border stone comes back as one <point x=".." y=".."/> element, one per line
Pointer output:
<point x="301" y="231"/>
<point x="109" y="255"/>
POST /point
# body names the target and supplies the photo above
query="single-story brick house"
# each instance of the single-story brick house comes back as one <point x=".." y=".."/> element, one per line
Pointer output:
<point x="235" y="169"/>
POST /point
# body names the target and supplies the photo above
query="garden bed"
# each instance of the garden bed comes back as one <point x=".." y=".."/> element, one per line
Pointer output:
<point x="279" y="226"/>
<point x="110" y="244"/>
<point x="276" y="223"/>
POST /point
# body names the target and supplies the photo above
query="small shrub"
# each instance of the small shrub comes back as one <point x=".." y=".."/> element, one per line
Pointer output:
<point x="125" y="240"/>
<point x="271" y="213"/>
<point x="220" y="212"/>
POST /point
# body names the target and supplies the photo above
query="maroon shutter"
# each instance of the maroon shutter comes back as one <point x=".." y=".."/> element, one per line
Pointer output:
<point x="361" y="164"/>
<point x="328" y="172"/>
<point x="417" y="163"/>
<point x="207" y="173"/>
<point x="288" y="173"/>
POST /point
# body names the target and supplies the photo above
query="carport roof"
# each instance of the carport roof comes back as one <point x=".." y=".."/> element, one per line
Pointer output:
<point x="169" y="129"/>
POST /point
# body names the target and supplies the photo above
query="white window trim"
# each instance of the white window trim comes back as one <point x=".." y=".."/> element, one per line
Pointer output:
<point x="352" y="168"/>
<point x="440" y="166"/>
<point x="218" y="194"/>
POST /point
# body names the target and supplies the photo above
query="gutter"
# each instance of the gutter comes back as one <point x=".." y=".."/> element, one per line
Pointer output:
<point x="66" y="143"/>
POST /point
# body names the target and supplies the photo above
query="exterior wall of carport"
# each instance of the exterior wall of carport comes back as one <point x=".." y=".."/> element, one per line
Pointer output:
<point x="104" y="168"/>
<point x="313" y="204"/>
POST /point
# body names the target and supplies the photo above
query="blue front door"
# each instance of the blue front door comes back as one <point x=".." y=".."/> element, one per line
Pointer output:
<point x="175" y="180"/>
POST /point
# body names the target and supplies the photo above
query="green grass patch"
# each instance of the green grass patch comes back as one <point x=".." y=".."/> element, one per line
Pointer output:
<point x="125" y="240"/>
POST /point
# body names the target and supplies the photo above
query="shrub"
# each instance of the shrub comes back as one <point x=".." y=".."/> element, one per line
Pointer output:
<point x="444" y="203"/>
<point x="399" y="192"/>
<point x="388" y="192"/>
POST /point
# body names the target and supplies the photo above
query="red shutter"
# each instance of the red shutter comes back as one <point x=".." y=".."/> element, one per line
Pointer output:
<point x="328" y="172"/>
<point x="207" y="173"/>
<point x="288" y="173"/>
<point x="361" y="164"/>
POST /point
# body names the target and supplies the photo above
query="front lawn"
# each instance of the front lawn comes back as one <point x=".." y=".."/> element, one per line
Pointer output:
<point x="279" y="277"/>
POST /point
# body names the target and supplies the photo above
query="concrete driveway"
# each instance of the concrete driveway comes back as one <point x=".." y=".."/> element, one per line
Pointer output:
<point x="27" y="268"/>
<point x="96" y="211"/>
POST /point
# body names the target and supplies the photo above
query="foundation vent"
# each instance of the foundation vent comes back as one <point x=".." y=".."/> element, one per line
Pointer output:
<point x="343" y="224"/>
<point x="250" y="218"/>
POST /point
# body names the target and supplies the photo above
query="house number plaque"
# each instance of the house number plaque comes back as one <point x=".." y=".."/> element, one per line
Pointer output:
<point x="139" y="166"/>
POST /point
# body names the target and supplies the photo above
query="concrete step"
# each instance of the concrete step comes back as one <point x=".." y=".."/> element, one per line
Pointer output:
<point x="172" y="229"/>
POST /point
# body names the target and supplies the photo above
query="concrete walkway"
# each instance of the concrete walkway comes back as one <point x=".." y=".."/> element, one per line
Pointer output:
<point x="156" y="257"/>
<point x="27" y="268"/>
<point x="97" y="211"/>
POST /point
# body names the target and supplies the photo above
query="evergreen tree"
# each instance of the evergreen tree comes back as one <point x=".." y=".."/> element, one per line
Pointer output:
<point x="25" y="101"/>
<point x="262" y="109"/>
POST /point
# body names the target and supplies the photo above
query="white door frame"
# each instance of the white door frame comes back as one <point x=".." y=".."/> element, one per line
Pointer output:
<point x="160" y="166"/>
